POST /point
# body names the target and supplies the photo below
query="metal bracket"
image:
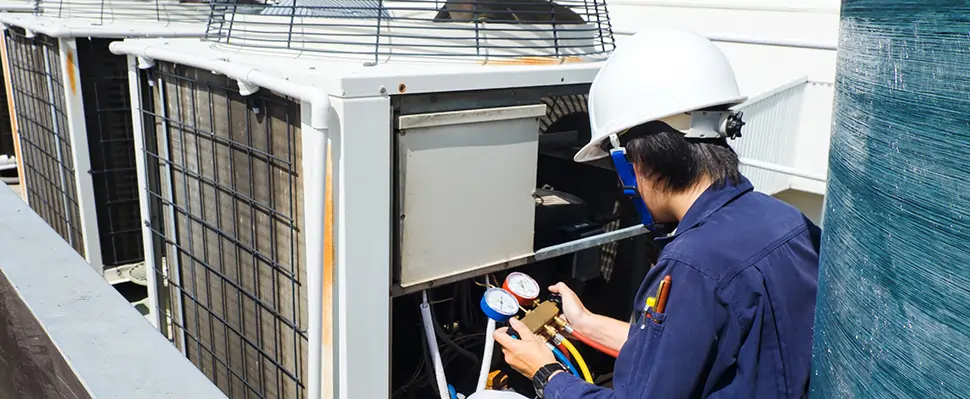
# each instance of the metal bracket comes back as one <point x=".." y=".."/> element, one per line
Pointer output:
<point x="145" y="62"/>
<point x="246" y="88"/>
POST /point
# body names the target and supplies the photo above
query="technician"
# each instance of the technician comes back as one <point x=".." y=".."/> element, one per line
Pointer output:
<point x="734" y="317"/>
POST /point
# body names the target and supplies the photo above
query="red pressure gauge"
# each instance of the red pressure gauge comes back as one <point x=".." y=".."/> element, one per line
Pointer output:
<point x="524" y="288"/>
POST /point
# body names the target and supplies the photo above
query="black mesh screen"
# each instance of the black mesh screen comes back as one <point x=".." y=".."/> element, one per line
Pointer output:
<point x="107" y="115"/>
<point x="229" y="194"/>
<point x="42" y="128"/>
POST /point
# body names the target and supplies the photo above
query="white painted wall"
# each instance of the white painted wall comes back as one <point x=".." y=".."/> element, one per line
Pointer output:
<point x="769" y="43"/>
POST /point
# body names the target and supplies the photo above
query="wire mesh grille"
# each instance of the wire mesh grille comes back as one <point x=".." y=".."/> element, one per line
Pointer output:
<point x="107" y="115"/>
<point x="379" y="28"/>
<point x="45" y="142"/>
<point x="6" y="131"/>
<point x="106" y="11"/>
<point x="230" y="191"/>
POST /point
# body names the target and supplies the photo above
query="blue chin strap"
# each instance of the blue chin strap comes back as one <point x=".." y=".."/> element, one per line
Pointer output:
<point x="628" y="179"/>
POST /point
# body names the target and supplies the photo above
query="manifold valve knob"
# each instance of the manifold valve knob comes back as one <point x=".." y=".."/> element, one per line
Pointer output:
<point x="734" y="124"/>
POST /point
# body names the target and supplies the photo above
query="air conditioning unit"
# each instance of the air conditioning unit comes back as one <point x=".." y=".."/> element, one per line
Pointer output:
<point x="303" y="164"/>
<point x="70" y="100"/>
<point x="8" y="147"/>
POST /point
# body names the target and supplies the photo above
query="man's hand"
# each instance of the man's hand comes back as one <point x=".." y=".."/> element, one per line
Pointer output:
<point x="576" y="314"/>
<point x="526" y="354"/>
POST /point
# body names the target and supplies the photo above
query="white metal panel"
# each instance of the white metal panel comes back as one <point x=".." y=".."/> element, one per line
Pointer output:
<point x="770" y="135"/>
<point x="320" y="302"/>
<point x="814" y="135"/>
<point x="74" y="109"/>
<point x="360" y="139"/>
<point x="343" y="78"/>
<point x="144" y="200"/>
<point x="16" y="6"/>
<point x="767" y="42"/>
<point x="466" y="190"/>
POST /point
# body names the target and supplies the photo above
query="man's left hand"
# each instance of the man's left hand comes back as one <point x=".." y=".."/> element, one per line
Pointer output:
<point x="526" y="354"/>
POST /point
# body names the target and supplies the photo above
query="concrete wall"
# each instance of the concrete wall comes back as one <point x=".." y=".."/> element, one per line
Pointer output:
<point x="66" y="333"/>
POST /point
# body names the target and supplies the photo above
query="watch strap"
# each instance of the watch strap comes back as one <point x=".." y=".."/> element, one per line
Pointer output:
<point x="541" y="377"/>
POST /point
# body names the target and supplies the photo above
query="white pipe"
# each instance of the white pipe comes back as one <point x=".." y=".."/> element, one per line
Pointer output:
<point x="439" y="369"/>
<point x="318" y="98"/>
<point x="782" y="169"/>
<point x="487" y="356"/>
<point x="741" y="39"/>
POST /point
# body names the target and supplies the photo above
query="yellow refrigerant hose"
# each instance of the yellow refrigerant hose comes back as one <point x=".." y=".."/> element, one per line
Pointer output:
<point x="579" y="360"/>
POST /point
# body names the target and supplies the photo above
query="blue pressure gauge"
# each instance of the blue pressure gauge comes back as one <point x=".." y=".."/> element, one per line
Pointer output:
<point x="499" y="304"/>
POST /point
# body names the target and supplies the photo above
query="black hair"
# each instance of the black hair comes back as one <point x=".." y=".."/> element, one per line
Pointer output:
<point x="676" y="163"/>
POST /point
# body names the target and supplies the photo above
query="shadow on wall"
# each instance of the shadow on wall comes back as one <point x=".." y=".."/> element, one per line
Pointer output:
<point x="809" y="203"/>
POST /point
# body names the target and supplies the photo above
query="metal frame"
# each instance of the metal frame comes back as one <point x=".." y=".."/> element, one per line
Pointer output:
<point x="363" y="218"/>
<point x="219" y="166"/>
<point x="77" y="129"/>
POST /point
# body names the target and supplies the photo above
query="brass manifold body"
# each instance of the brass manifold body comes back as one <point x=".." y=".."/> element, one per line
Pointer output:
<point x="544" y="320"/>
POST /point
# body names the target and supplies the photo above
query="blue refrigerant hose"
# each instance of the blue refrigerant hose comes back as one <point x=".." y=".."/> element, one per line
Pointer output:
<point x="559" y="356"/>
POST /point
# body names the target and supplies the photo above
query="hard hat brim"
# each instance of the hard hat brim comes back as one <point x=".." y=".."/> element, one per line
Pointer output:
<point x="593" y="150"/>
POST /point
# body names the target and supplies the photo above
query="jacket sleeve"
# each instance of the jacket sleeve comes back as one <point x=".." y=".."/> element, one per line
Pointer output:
<point x="675" y="356"/>
<point x="568" y="386"/>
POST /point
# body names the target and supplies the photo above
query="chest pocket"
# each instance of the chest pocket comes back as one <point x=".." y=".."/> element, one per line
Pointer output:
<point x="637" y="357"/>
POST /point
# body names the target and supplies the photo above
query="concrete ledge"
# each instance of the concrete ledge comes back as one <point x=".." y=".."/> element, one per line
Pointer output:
<point x="77" y="337"/>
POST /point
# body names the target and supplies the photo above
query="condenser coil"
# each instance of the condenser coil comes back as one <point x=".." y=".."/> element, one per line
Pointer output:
<point x="72" y="112"/>
<point x="300" y="161"/>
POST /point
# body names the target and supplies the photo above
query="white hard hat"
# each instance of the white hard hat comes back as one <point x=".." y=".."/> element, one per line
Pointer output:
<point x="660" y="74"/>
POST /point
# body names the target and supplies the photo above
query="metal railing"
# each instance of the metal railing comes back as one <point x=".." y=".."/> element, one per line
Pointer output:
<point x="430" y="28"/>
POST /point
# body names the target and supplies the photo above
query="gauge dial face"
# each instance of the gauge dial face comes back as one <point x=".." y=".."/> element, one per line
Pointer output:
<point x="501" y="301"/>
<point x="522" y="285"/>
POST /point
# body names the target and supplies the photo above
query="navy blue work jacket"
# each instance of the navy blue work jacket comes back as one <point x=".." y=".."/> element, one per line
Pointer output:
<point x="740" y="310"/>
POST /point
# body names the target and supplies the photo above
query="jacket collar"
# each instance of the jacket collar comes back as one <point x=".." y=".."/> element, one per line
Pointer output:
<point x="713" y="199"/>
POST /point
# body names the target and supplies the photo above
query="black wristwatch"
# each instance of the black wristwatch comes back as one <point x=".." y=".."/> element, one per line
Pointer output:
<point x="541" y="378"/>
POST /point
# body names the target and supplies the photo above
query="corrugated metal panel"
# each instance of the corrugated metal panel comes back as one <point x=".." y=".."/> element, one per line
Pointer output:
<point x="771" y="135"/>
<point x="42" y="128"/>
<point x="231" y="194"/>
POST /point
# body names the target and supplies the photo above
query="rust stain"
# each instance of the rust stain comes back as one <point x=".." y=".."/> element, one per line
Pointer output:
<point x="328" y="271"/>
<point x="13" y="117"/>
<point x="536" y="61"/>
<point x="71" y="75"/>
